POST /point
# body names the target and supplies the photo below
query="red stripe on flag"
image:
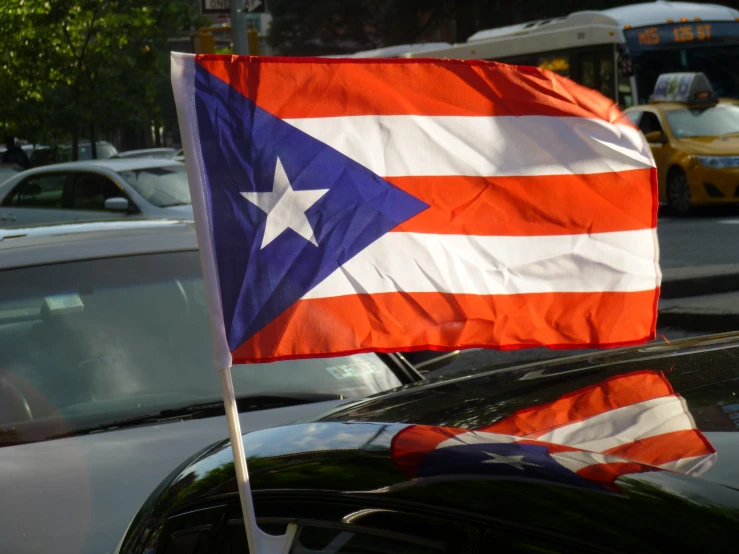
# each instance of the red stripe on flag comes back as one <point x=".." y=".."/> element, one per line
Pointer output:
<point x="535" y="205"/>
<point x="664" y="448"/>
<point x="392" y="322"/>
<point x="411" y="444"/>
<point x="607" y="474"/>
<point x="321" y="87"/>
<point x="613" y="393"/>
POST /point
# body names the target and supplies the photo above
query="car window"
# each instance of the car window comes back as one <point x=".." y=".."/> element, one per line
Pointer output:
<point x="708" y="122"/>
<point x="649" y="123"/>
<point x="634" y="116"/>
<point x="131" y="335"/>
<point x="91" y="190"/>
<point x="188" y="533"/>
<point x="105" y="151"/>
<point x="38" y="191"/>
<point x="84" y="151"/>
<point x="353" y="527"/>
<point x="6" y="172"/>
<point x="161" y="186"/>
<point x="327" y="540"/>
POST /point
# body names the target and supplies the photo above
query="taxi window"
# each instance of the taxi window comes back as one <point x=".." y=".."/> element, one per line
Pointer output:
<point x="705" y="122"/>
<point x="634" y="116"/>
<point x="649" y="123"/>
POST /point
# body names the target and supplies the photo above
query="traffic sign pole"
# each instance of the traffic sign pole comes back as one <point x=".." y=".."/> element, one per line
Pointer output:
<point x="238" y="28"/>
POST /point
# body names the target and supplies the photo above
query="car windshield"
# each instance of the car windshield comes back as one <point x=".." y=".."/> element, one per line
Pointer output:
<point x="161" y="186"/>
<point x="125" y="336"/>
<point x="6" y="172"/>
<point x="706" y="122"/>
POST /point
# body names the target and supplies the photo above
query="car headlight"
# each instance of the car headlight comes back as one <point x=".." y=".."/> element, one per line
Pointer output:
<point x="718" y="162"/>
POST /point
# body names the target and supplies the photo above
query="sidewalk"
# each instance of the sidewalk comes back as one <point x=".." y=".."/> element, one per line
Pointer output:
<point x="704" y="298"/>
<point x="679" y="282"/>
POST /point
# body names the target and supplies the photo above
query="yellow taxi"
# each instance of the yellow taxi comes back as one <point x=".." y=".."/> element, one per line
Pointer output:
<point x="694" y="137"/>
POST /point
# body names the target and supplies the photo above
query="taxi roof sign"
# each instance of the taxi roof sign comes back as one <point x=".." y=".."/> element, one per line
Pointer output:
<point x="686" y="88"/>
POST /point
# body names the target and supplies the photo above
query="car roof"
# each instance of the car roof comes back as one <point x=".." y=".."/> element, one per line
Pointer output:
<point x="144" y="151"/>
<point x="113" y="164"/>
<point x="668" y="106"/>
<point x="51" y="244"/>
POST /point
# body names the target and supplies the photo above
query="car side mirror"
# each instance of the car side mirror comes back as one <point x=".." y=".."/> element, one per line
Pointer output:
<point x="655" y="137"/>
<point x="116" y="204"/>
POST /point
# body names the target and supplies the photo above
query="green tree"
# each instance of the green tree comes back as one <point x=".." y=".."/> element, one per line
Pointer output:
<point x="73" y="68"/>
<point x="308" y="27"/>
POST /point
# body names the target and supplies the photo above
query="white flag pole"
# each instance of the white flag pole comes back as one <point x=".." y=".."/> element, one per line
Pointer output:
<point x="183" y="79"/>
<point x="259" y="542"/>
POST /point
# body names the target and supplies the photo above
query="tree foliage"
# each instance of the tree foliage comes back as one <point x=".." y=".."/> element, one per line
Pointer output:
<point x="69" y="66"/>
<point x="319" y="27"/>
<point x="315" y="27"/>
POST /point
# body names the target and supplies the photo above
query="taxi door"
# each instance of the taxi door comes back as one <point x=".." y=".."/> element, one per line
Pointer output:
<point x="654" y="131"/>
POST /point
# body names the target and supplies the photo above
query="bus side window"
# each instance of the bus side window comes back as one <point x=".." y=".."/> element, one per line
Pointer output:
<point x="587" y="70"/>
<point x="606" y="74"/>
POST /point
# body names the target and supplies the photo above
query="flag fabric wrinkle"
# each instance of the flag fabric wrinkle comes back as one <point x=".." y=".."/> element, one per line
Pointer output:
<point x="400" y="205"/>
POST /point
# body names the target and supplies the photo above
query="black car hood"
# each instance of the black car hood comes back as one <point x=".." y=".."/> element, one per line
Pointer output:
<point x="491" y="446"/>
<point x="702" y="373"/>
<point x="444" y="471"/>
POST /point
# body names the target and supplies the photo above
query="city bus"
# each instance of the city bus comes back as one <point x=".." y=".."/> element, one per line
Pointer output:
<point x="621" y="51"/>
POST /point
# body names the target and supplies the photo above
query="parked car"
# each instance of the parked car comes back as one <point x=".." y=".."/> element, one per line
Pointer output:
<point x="46" y="155"/>
<point x="7" y="171"/>
<point x="164" y="153"/>
<point x="634" y="450"/>
<point x="107" y="382"/>
<point x="97" y="189"/>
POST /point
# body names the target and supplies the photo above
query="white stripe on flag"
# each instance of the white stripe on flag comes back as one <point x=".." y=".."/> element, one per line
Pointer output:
<point x="476" y="437"/>
<point x="623" y="425"/>
<point x="415" y="145"/>
<point x="577" y="460"/>
<point x="486" y="265"/>
<point x="694" y="466"/>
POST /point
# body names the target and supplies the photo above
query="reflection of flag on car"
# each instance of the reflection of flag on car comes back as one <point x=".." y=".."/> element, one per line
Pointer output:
<point x="348" y="206"/>
<point x="619" y="426"/>
<point x="636" y="416"/>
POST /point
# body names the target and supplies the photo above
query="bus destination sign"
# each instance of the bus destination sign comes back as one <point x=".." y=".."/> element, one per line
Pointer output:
<point x="681" y="34"/>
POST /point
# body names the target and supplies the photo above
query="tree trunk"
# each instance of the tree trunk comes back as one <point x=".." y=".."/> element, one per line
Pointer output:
<point x="75" y="144"/>
<point x="157" y="135"/>
<point x="93" y="146"/>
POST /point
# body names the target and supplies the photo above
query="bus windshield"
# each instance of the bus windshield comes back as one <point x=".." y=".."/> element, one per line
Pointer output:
<point x="719" y="63"/>
<point x="711" y="47"/>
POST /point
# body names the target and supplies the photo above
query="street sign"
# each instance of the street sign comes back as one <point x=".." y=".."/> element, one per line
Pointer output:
<point x="215" y="6"/>
<point x="208" y="7"/>
<point x="254" y="6"/>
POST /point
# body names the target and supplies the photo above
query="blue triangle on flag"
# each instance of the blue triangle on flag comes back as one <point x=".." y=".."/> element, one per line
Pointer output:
<point x="240" y="144"/>
<point x="502" y="460"/>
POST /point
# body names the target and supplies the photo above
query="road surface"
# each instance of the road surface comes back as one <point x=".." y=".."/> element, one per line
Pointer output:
<point x="711" y="237"/>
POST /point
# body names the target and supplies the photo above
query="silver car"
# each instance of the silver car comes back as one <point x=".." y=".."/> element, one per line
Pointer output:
<point x="107" y="383"/>
<point x="96" y="189"/>
<point x="163" y="153"/>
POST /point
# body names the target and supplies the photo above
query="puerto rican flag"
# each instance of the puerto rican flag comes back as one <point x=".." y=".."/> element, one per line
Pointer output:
<point x="627" y="424"/>
<point x="346" y="206"/>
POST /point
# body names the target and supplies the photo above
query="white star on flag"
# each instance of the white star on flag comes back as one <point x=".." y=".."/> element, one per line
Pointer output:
<point x="513" y="461"/>
<point x="285" y="207"/>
